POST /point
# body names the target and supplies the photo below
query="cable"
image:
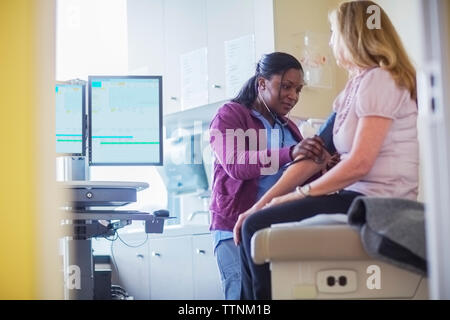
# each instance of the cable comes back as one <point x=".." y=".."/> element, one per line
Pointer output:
<point x="112" y="240"/>
<point x="117" y="291"/>
<point x="106" y="237"/>
<point x="273" y="115"/>
<point x="293" y="162"/>
<point x="113" y="259"/>
<point x="131" y="246"/>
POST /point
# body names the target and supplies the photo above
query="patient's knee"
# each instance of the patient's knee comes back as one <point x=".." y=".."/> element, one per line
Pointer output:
<point x="252" y="224"/>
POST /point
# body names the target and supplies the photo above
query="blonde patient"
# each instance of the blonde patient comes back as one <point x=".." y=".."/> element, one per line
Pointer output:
<point x="375" y="133"/>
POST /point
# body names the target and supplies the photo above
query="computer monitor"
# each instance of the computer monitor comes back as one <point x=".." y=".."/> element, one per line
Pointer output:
<point x="183" y="171"/>
<point x="125" y="120"/>
<point x="70" y="119"/>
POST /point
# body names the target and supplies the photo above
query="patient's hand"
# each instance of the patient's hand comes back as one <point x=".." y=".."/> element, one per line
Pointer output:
<point x="277" y="200"/>
<point x="239" y="222"/>
<point x="286" y="198"/>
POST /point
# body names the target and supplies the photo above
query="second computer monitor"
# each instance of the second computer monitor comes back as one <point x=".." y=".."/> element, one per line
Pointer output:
<point x="125" y="120"/>
<point x="70" y="119"/>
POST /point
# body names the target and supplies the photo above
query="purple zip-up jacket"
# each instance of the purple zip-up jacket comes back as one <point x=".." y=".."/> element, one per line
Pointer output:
<point x="237" y="172"/>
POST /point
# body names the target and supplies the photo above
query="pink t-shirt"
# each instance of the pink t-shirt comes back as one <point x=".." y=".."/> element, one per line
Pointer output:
<point x="396" y="169"/>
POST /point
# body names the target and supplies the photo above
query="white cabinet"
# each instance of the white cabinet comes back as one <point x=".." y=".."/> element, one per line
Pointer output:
<point x="145" y="37"/>
<point x="226" y="20"/>
<point x="184" y="267"/>
<point x="132" y="264"/>
<point x="171" y="268"/>
<point x="165" y="267"/>
<point x="207" y="285"/>
<point x="161" y="31"/>
<point x="184" y="31"/>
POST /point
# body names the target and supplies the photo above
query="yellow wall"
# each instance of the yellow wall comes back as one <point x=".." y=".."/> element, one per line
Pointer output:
<point x="27" y="66"/>
<point x="292" y="17"/>
<point x="49" y="263"/>
<point x="17" y="232"/>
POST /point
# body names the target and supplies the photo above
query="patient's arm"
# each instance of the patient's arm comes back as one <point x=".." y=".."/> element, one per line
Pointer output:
<point x="298" y="173"/>
<point x="370" y="134"/>
<point x="357" y="163"/>
<point x="353" y="168"/>
<point x="294" y="176"/>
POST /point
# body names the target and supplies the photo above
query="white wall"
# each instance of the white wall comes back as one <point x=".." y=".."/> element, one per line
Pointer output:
<point x="406" y="16"/>
<point x="91" y="38"/>
<point x="145" y="22"/>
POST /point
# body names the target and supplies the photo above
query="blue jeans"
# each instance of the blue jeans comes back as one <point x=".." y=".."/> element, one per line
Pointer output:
<point x="228" y="261"/>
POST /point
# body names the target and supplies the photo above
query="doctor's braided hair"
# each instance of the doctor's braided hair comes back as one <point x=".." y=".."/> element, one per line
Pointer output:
<point x="275" y="63"/>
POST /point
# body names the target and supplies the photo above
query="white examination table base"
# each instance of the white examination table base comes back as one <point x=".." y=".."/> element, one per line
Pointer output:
<point x="327" y="261"/>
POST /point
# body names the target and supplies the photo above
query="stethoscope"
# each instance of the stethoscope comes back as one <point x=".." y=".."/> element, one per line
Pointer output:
<point x="281" y="124"/>
<point x="276" y="119"/>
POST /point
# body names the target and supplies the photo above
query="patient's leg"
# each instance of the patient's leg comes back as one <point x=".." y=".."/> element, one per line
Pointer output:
<point x="256" y="278"/>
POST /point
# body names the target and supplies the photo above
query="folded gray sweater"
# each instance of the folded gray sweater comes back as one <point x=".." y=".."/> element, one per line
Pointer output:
<point x="392" y="230"/>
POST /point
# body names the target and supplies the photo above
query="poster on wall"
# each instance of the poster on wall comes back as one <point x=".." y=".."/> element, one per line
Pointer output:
<point x="194" y="78"/>
<point x="316" y="58"/>
<point x="239" y="63"/>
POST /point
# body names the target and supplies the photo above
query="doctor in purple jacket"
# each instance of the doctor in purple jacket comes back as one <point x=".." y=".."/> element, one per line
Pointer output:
<point x="252" y="140"/>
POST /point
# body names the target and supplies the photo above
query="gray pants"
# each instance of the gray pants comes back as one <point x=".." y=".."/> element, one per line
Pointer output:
<point x="228" y="261"/>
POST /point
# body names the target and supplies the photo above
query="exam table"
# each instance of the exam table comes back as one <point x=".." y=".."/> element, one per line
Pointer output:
<point x="323" y="258"/>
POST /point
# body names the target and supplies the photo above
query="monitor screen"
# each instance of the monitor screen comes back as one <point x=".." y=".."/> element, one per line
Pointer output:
<point x="183" y="171"/>
<point x="70" y="119"/>
<point x="125" y="120"/>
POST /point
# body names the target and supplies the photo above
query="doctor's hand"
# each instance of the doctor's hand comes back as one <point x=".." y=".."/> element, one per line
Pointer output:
<point x="334" y="160"/>
<point x="311" y="148"/>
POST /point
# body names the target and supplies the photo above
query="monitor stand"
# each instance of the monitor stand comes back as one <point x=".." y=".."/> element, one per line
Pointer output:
<point x="89" y="212"/>
<point x="72" y="168"/>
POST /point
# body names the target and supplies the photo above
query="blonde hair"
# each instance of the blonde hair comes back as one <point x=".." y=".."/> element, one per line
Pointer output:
<point x="363" y="47"/>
